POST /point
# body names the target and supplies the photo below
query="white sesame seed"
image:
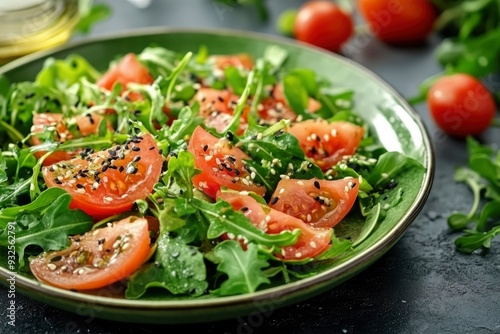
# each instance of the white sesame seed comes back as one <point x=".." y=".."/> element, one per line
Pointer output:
<point x="300" y="183"/>
<point x="208" y="158"/>
<point x="312" y="244"/>
<point x="298" y="255"/>
<point x="51" y="266"/>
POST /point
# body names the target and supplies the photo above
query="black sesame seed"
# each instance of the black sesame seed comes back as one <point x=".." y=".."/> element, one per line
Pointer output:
<point x="79" y="186"/>
<point x="220" y="98"/>
<point x="57" y="181"/>
<point x="275" y="200"/>
<point x="89" y="116"/>
<point x="121" y="169"/>
<point x="101" y="241"/>
<point x="316" y="184"/>
<point x="160" y="151"/>
<point x="244" y="209"/>
<point x="205" y="148"/>
<point x="151" y="148"/>
<point x="136" y="148"/>
<point x="136" y="158"/>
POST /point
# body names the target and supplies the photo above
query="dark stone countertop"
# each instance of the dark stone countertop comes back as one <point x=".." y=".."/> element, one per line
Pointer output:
<point x="421" y="285"/>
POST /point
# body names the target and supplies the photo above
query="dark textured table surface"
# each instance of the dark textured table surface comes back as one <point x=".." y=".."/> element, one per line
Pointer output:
<point x="422" y="285"/>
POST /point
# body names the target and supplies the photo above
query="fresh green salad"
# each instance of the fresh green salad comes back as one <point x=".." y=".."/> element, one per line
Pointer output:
<point x="187" y="175"/>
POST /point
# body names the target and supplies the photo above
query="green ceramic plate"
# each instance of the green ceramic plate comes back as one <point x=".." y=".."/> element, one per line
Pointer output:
<point x="395" y="124"/>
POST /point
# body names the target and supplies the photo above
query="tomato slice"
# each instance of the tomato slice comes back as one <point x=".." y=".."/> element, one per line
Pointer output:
<point x="221" y="164"/>
<point x="311" y="242"/>
<point x="327" y="143"/>
<point x="85" y="125"/>
<point x="97" y="258"/>
<point x="127" y="70"/>
<point x="241" y="60"/>
<point x="319" y="203"/>
<point x="217" y="108"/>
<point x="108" y="182"/>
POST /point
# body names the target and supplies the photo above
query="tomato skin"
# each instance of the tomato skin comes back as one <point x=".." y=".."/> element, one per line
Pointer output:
<point x="211" y="154"/>
<point x="461" y="105"/>
<point x="402" y="22"/>
<point x="87" y="125"/>
<point x="311" y="242"/>
<point x="319" y="203"/>
<point x="127" y="70"/>
<point x="327" y="143"/>
<point x="95" y="269"/>
<point x="118" y="182"/>
<point x="323" y="24"/>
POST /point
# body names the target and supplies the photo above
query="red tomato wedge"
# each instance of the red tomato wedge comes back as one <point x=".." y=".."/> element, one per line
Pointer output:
<point x="108" y="182"/>
<point x="85" y="125"/>
<point x="319" y="203"/>
<point x="97" y="258"/>
<point x="127" y="70"/>
<point x="217" y="108"/>
<point x="241" y="60"/>
<point x="327" y="143"/>
<point x="221" y="165"/>
<point x="311" y="242"/>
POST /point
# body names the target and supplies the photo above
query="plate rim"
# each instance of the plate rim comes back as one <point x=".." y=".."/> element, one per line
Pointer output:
<point x="344" y="270"/>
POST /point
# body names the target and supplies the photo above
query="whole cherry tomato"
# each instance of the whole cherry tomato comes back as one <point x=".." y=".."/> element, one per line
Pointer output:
<point x="400" y="22"/>
<point x="323" y="24"/>
<point x="461" y="105"/>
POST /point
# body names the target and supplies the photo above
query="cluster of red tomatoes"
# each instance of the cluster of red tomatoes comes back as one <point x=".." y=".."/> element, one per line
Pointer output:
<point x="459" y="104"/>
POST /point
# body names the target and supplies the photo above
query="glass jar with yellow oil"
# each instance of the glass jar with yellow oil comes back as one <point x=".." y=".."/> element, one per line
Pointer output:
<point x="27" y="26"/>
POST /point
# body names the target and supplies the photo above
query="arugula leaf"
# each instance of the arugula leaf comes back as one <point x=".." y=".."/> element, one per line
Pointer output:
<point x="483" y="178"/>
<point x="388" y="166"/>
<point x="371" y="220"/>
<point x="9" y="194"/>
<point x="458" y="220"/>
<point x="178" y="268"/>
<point x="242" y="267"/>
<point x="296" y="95"/>
<point x="275" y="152"/>
<point x="63" y="73"/>
<point x="45" y="199"/>
<point x="52" y="230"/>
<point x="3" y="169"/>
<point x="473" y="240"/>
<point x="223" y="219"/>
<point x="337" y="248"/>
